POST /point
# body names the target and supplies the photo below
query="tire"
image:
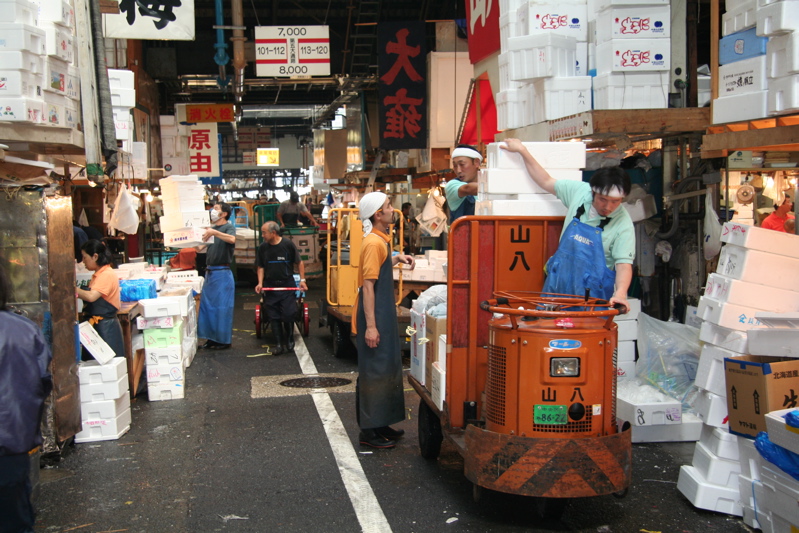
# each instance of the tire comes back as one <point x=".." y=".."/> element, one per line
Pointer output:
<point x="430" y="435"/>
<point x="342" y="345"/>
<point x="258" y="322"/>
<point x="550" y="508"/>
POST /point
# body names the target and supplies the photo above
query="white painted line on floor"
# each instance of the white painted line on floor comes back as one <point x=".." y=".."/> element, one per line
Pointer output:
<point x="364" y="502"/>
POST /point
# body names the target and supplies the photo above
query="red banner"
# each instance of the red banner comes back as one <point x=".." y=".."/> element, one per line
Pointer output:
<point x="482" y="24"/>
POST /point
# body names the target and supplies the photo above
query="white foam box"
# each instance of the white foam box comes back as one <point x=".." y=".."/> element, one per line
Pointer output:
<point x="186" y="219"/>
<point x="741" y="77"/>
<point x="625" y="370"/>
<point x="185" y="238"/>
<point x="505" y="81"/>
<point x="166" y="355"/>
<point x="123" y="129"/>
<point x="22" y="37"/>
<point x="727" y="315"/>
<point x="19" y="12"/>
<point x="99" y="430"/>
<point x="184" y="295"/>
<point x="104" y="410"/>
<point x="156" y="322"/>
<point x="667" y="412"/>
<point x="626" y="351"/>
<point x="121" y="79"/>
<point x="750" y="459"/>
<point x="783" y="95"/>
<point x="164" y="306"/>
<point x="166" y="373"/>
<point x="632" y="314"/>
<point x="780" y="524"/>
<point x="56" y="75"/>
<point x="569" y="19"/>
<point x="755" y="266"/>
<point x="746" y="490"/>
<point x="58" y="12"/>
<point x="741" y="18"/>
<point x="512" y="109"/>
<point x="438" y="386"/>
<point x="739" y="107"/>
<point x="641" y="209"/>
<point x="731" y="339"/>
<point x="705" y="495"/>
<point x="777" y="342"/>
<point x="720" y="442"/>
<point x="418" y="349"/>
<point x="93" y="372"/>
<point x="547" y="206"/>
<point x="558" y="97"/>
<point x="631" y="90"/>
<point x="22" y="60"/>
<point x="539" y="56"/>
<point x="782" y="55"/>
<point x="507" y="29"/>
<point x="760" y="239"/>
<point x="518" y="181"/>
<point x="628" y="330"/>
<point x="633" y="55"/>
<point x="19" y="109"/>
<point x="189" y="349"/>
<point x="728" y="290"/>
<point x="711" y="408"/>
<point x="14" y="83"/>
<point x="555" y="155"/>
<point x="688" y="431"/>
<point x="123" y="97"/>
<point x="163" y="337"/>
<point x="184" y="203"/>
<point x="782" y="493"/>
<point x="442" y="352"/>
<point x="166" y="391"/>
<point x="633" y="22"/>
<point x="781" y="433"/>
<point x="581" y="60"/>
<point x="716" y="470"/>
<point x="94" y="392"/>
<point x="778" y="18"/>
<point x="58" y="41"/>
<point x="602" y="5"/>
<point x="710" y="371"/>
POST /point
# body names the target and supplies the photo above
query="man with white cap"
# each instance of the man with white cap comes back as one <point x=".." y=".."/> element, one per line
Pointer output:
<point x="379" y="396"/>
<point x="461" y="191"/>
<point x="597" y="244"/>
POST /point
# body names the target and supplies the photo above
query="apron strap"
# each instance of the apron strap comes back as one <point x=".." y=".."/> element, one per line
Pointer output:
<point x="602" y="223"/>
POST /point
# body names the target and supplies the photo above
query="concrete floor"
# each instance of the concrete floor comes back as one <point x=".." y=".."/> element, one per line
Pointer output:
<point x="242" y="453"/>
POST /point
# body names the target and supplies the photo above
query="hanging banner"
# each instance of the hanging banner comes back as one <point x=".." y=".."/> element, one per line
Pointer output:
<point x="171" y="20"/>
<point x="204" y="150"/>
<point x="402" y="89"/>
<point x="209" y="113"/>
<point x="482" y="26"/>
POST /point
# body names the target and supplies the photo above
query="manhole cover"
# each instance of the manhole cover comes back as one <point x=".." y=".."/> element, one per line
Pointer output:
<point x="315" y="382"/>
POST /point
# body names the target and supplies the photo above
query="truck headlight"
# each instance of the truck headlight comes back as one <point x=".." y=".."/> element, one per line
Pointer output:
<point x="564" y="367"/>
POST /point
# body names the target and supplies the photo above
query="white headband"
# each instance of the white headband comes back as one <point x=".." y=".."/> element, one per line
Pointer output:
<point x="368" y="206"/>
<point x="613" y="191"/>
<point x="466" y="152"/>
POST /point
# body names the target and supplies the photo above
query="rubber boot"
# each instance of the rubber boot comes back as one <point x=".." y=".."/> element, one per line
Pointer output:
<point x="289" y="329"/>
<point x="277" y="331"/>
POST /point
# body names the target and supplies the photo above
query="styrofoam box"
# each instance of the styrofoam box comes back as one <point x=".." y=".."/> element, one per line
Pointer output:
<point x="741" y="77"/>
<point x="20" y="83"/>
<point x="165" y="373"/>
<point x="739" y="19"/>
<point x="189" y="349"/>
<point x="628" y="330"/>
<point x="632" y="314"/>
<point x="73" y="83"/>
<point x="625" y="370"/>
<point x="160" y="307"/>
<point x="562" y="18"/>
<point x="581" y="59"/>
<point x="720" y="443"/>
<point x="746" y="490"/>
<point x="98" y="430"/>
<point x="505" y="82"/>
<point x="93" y="372"/>
<point x="633" y="22"/>
<point x="730" y="339"/>
<point x="783" y="94"/>
<point x="759" y="267"/>
<point x="602" y="5"/>
<point x="58" y="41"/>
<point x="711" y="408"/>
<point x="418" y="349"/>
<point x="539" y="56"/>
<point x="179" y="189"/>
<point x="728" y="315"/>
<point x="782" y="55"/>
<point x="22" y="60"/>
<point x="641" y="209"/>
<point x="759" y="518"/>
<point x="781" y="524"/>
<point x="123" y="97"/>
<point x="558" y="97"/>
<point x="626" y="351"/>
<point x="54" y="109"/>
<point x="760" y="499"/>
<point x="156" y="322"/>
<point x="633" y="55"/>
<point x="715" y="469"/>
<point x="750" y="459"/>
<point x="780" y="433"/>
<point x="710" y="371"/>
<point x="19" y="109"/>
<point x="649" y="414"/>
<point x="20" y="12"/>
<point x="688" y="431"/>
<point x="631" y="90"/>
<point x="94" y="392"/>
<point x="778" y="18"/>
<point x="438" y="386"/>
<point x="778" y="342"/>
<point x="507" y="29"/>
<point x="22" y="37"/>
<point x="121" y="79"/>
<point x="185" y="238"/>
<point x="178" y="205"/>
<point x="186" y="219"/>
<point x="123" y="130"/>
<point x="511" y="109"/>
<point x="547" y="206"/>
<point x="104" y="410"/>
<point x="782" y="493"/>
<point x="56" y="75"/>
<point x="166" y="355"/>
<point x="163" y="337"/>
<point x="760" y="239"/>
<point x="566" y="155"/>
<point x="735" y="291"/>
<point x="58" y="12"/>
<point x="741" y="45"/>
<point x="166" y="391"/>
<point x="706" y="495"/>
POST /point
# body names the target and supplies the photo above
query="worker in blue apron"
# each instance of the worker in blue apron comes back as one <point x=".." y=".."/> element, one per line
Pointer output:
<point x="215" y="319"/>
<point x="461" y="190"/>
<point x="597" y="244"/>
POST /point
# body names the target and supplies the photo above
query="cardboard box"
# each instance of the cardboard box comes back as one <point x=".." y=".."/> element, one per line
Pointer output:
<point x="757" y="385"/>
<point x="434" y="328"/>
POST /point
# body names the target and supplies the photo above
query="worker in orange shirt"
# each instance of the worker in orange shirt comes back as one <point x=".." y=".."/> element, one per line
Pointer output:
<point x="782" y="213"/>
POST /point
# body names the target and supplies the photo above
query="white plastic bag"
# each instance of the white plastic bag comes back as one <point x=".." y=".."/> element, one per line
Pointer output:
<point x="433" y="219"/>
<point x="712" y="231"/>
<point x="124" y="217"/>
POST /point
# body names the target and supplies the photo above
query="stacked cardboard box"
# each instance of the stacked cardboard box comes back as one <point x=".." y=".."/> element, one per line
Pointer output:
<point x="105" y="401"/>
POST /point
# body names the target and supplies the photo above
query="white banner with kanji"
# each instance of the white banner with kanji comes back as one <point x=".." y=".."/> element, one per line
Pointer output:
<point x="204" y="150"/>
<point x="171" y="20"/>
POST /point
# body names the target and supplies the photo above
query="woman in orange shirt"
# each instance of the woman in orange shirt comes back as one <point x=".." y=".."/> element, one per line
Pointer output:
<point x="102" y="298"/>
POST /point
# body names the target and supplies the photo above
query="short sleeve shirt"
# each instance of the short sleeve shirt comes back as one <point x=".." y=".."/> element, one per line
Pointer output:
<point x="454" y="201"/>
<point x="374" y="252"/>
<point x="618" y="236"/>
<point x="219" y="251"/>
<point x="773" y="221"/>
<point x="106" y="282"/>
<point x="278" y="261"/>
<point x="292" y="209"/>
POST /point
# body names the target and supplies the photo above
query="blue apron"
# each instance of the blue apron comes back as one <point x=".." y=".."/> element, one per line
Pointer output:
<point x="579" y="263"/>
<point x="466" y="208"/>
<point x="215" y="321"/>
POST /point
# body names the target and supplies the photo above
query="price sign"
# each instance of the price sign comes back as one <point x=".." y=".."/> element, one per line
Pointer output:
<point x="292" y="51"/>
<point x="550" y="414"/>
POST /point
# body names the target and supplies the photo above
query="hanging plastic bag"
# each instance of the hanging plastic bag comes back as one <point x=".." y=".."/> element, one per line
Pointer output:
<point x="433" y="220"/>
<point x="124" y="218"/>
<point x="83" y="220"/>
<point x="712" y="230"/>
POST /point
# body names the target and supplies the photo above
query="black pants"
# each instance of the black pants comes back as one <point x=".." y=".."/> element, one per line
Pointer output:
<point x="280" y="305"/>
<point x="16" y="510"/>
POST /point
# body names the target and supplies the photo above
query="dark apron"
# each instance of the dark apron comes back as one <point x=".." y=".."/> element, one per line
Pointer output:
<point x="108" y="328"/>
<point x="579" y="263"/>
<point x="381" y="401"/>
<point x="466" y="208"/>
<point x="215" y="321"/>
<point x="291" y="219"/>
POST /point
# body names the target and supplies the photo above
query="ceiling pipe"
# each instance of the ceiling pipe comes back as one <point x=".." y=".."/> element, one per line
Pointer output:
<point x="221" y="58"/>
<point x="238" y="51"/>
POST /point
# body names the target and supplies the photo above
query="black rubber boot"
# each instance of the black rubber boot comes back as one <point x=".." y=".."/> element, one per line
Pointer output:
<point x="277" y="331"/>
<point x="289" y="330"/>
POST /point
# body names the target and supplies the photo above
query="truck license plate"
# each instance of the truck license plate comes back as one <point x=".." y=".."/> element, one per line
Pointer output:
<point x="550" y="414"/>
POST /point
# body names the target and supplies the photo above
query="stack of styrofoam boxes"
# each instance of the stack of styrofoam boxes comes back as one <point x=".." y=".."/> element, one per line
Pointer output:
<point x="188" y="313"/>
<point x="627" y="340"/>
<point x="506" y="189"/>
<point x="174" y="146"/>
<point x="246" y="248"/>
<point x="418" y="330"/>
<point x="779" y="21"/>
<point x="633" y="51"/>
<point x="184" y="279"/>
<point x="163" y="329"/>
<point x="437" y="259"/>
<point x="105" y="401"/>
<point x="184" y="211"/>
<point x="123" y="99"/>
<point x="22" y="57"/>
<point x="57" y="19"/>
<point x="154" y="272"/>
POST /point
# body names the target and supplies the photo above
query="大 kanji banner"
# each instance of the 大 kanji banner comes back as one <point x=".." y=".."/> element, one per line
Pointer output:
<point x="403" y="85"/>
<point x="204" y="150"/>
<point x="171" y="20"/>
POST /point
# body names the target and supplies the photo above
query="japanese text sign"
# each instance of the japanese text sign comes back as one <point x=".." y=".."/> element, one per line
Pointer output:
<point x="267" y="157"/>
<point x="171" y="20"/>
<point x="402" y="86"/>
<point x="292" y="51"/>
<point x="482" y="21"/>
<point x="209" y="113"/>
<point x="204" y="150"/>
